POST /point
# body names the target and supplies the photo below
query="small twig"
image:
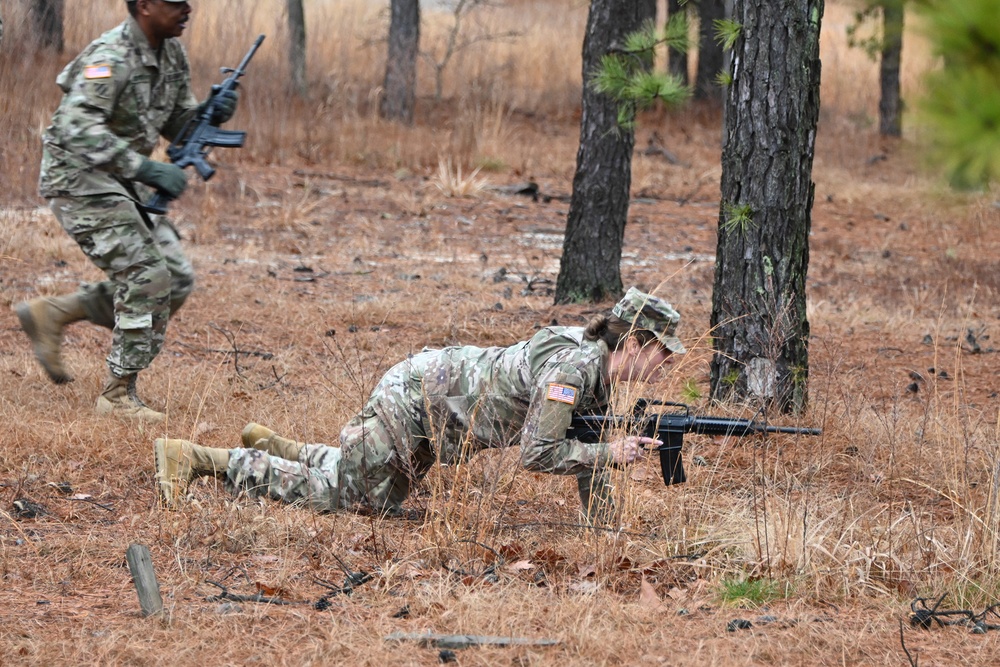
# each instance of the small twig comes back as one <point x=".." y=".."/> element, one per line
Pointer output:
<point x="912" y="660"/>
<point x="237" y="597"/>
<point x="107" y="508"/>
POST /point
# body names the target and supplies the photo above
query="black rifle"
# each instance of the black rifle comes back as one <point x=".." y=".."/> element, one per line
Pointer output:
<point x="669" y="428"/>
<point x="192" y="143"/>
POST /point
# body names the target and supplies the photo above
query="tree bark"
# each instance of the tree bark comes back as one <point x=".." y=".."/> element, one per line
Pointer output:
<point x="297" y="46"/>
<point x="399" y="92"/>
<point x="47" y="17"/>
<point x="890" y="103"/>
<point x="590" y="269"/>
<point x="711" y="59"/>
<point x="677" y="61"/>
<point x="759" y="326"/>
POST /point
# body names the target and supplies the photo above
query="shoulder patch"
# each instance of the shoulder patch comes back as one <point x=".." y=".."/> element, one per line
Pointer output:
<point x="561" y="393"/>
<point x="97" y="71"/>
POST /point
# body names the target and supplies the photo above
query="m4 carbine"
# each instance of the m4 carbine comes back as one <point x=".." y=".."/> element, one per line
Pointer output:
<point x="669" y="428"/>
<point x="191" y="146"/>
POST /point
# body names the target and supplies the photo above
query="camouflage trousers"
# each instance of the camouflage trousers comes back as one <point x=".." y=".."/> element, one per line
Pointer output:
<point x="312" y="481"/>
<point x="363" y="473"/>
<point x="149" y="276"/>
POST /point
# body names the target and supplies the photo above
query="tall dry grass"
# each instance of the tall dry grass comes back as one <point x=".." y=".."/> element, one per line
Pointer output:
<point x="491" y="90"/>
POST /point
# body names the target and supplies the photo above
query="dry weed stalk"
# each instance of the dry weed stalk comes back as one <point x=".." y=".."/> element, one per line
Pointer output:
<point x="453" y="183"/>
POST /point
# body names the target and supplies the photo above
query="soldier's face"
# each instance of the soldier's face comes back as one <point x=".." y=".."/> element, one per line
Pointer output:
<point x="644" y="363"/>
<point x="166" y="19"/>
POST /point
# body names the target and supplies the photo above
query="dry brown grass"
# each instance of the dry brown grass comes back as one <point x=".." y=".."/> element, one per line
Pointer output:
<point x="325" y="253"/>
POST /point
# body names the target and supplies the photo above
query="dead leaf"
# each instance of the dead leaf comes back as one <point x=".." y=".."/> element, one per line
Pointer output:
<point x="549" y="557"/>
<point x="271" y="591"/>
<point x="201" y="429"/>
<point x="512" y="551"/>
<point x="585" y="571"/>
<point x="639" y="473"/>
<point x="265" y="558"/>
<point x="586" y="587"/>
<point x="648" y="596"/>
<point x="520" y="566"/>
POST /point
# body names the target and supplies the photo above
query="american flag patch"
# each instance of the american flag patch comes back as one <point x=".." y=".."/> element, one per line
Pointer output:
<point x="561" y="393"/>
<point x="97" y="72"/>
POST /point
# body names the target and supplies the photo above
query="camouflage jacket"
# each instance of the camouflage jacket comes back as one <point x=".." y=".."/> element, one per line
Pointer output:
<point x="119" y="96"/>
<point x="476" y="398"/>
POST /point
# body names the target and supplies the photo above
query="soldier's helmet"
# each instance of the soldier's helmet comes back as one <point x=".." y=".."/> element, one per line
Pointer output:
<point x="645" y="311"/>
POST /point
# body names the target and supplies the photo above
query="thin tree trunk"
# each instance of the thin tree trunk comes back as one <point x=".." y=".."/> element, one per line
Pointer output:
<point x="297" y="46"/>
<point x="399" y="92"/>
<point x="710" y="56"/>
<point x="590" y="269"/>
<point x="47" y="17"/>
<point x="759" y="326"/>
<point x="890" y="104"/>
<point x="677" y="61"/>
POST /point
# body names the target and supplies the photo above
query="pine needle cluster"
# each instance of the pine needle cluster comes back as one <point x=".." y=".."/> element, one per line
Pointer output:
<point x="962" y="105"/>
<point x="627" y="74"/>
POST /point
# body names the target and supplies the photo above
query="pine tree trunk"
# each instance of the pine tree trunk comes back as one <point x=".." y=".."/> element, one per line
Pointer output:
<point x="677" y="61"/>
<point x="399" y="92"/>
<point x="710" y="55"/>
<point x="297" y="46"/>
<point x="890" y="104"/>
<point x="47" y="17"/>
<point x="590" y="269"/>
<point x="759" y="324"/>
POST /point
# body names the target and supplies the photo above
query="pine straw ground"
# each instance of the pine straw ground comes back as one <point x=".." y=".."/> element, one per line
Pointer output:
<point x="312" y="283"/>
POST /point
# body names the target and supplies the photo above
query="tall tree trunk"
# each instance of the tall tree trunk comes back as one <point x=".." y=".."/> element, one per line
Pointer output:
<point x="47" y="18"/>
<point x="759" y="326"/>
<point x="399" y="92"/>
<point x="677" y="61"/>
<point x="710" y="56"/>
<point x="590" y="269"/>
<point x="890" y="104"/>
<point x="297" y="46"/>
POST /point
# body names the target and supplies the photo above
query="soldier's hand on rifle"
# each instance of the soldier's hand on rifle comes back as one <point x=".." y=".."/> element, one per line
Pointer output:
<point x="630" y="448"/>
<point x="165" y="177"/>
<point x="225" y="106"/>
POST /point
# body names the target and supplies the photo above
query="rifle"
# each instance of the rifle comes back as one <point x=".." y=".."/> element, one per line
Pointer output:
<point x="191" y="146"/>
<point x="670" y="428"/>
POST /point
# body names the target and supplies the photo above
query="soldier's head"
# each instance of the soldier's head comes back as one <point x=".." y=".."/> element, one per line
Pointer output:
<point x="640" y="332"/>
<point x="160" y="19"/>
<point x="645" y="312"/>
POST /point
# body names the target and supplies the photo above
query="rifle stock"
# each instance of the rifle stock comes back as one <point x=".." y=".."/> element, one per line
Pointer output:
<point x="669" y="427"/>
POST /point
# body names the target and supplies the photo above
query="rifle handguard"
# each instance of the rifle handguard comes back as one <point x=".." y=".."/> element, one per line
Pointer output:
<point x="669" y="428"/>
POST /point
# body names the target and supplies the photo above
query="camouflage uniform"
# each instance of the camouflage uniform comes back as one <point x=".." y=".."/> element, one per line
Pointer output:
<point x="446" y="405"/>
<point x="119" y="97"/>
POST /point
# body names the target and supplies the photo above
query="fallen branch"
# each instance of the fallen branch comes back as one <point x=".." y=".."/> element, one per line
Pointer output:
<point x="465" y="641"/>
<point x="237" y="597"/>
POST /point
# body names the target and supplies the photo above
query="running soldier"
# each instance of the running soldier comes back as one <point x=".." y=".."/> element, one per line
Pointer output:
<point x="125" y="90"/>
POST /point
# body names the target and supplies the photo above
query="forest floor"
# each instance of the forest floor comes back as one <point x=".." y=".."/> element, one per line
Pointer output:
<point x="313" y="280"/>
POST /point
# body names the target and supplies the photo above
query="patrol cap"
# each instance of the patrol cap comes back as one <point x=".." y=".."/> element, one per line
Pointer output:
<point x="645" y="311"/>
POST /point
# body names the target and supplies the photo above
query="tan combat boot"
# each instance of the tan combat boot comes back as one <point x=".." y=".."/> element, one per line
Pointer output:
<point x="179" y="461"/>
<point x="43" y="319"/>
<point x="255" y="436"/>
<point x="119" y="398"/>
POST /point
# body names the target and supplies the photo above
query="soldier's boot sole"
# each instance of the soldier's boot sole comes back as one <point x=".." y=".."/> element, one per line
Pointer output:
<point x="46" y="338"/>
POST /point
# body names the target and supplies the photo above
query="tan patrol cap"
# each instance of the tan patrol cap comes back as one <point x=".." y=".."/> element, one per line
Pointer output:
<point x="645" y="311"/>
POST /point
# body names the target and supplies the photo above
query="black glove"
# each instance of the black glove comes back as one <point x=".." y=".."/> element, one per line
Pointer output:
<point x="165" y="177"/>
<point x="225" y="106"/>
